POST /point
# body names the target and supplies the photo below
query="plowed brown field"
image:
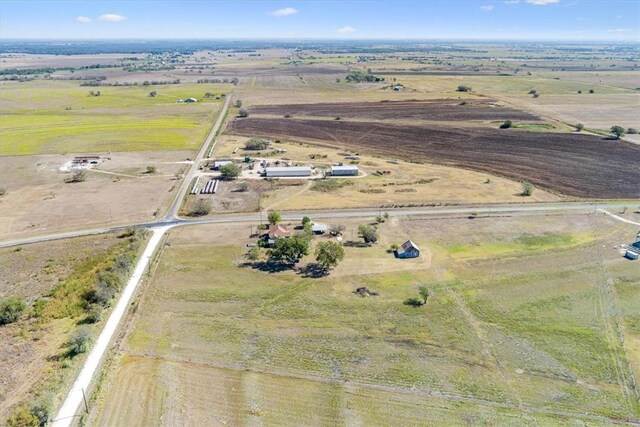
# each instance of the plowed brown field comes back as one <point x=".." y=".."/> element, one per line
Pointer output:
<point x="572" y="164"/>
<point x="436" y="110"/>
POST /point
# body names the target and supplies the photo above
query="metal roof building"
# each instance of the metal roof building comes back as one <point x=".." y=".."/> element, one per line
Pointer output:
<point x="344" y="170"/>
<point x="278" y="172"/>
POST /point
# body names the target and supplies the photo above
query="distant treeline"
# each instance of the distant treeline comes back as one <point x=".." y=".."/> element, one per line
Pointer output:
<point x="96" y="83"/>
<point x="233" y="81"/>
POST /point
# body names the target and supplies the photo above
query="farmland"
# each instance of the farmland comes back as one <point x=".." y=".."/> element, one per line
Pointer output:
<point x="572" y="164"/>
<point x="512" y="332"/>
<point x="54" y="117"/>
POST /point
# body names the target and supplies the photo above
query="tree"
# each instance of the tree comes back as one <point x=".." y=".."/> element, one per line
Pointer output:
<point x="79" y="340"/>
<point x="78" y="176"/>
<point x="10" y="310"/>
<point x="328" y="254"/>
<point x="632" y="131"/>
<point x="463" y="88"/>
<point x="306" y="220"/>
<point x="290" y="250"/>
<point x="579" y="127"/>
<point x="506" y="125"/>
<point x="237" y="104"/>
<point x="424" y="293"/>
<point x="253" y="254"/>
<point x="153" y="93"/>
<point x="617" y="131"/>
<point x="368" y="233"/>
<point x="336" y="229"/>
<point x="527" y="189"/>
<point x="592" y="91"/>
<point x="151" y="169"/>
<point x="243" y="113"/>
<point x="201" y="207"/>
<point x="274" y="217"/>
<point x="533" y="92"/>
<point x="230" y="171"/>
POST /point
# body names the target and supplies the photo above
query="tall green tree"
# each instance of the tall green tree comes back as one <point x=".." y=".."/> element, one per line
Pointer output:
<point x="617" y="131"/>
<point x="329" y="254"/>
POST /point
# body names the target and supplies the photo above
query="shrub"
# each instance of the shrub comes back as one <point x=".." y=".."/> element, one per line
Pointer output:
<point x="22" y="417"/>
<point x="506" y="125"/>
<point x="463" y="88"/>
<point x="10" y="310"/>
<point x="579" y="127"/>
<point x="413" y="302"/>
<point x="527" y="189"/>
<point x="3" y="191"/>
<point x="368" y="233"/>
<point x="79" y="340"/>
<point x="242" y="187"/>
<point x="253" y="254"/>
<point x="256" y="144"/>
<point x="632" y="131"/>
<point x="94" y="313"/>
<point x="306" y="220"/>
<point x="151" y="169"/>
<point x="78" y="176"/>
<point x="237" y="104"/>
<point x="201" y="207"/>
<point x="592" y="91"/>
<point x="243" y="113"/>
<point x="330" y="185"/>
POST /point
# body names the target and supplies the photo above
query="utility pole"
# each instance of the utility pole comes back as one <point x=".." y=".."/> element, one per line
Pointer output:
<point x="84" y="398"/>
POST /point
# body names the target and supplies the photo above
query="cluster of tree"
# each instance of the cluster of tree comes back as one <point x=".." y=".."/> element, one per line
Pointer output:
<point x="234" y="81"/>
<point x="34" y="414"/>
<point x="201" y="207"/>
<point x="145" y="83"/>
<point x="78" y="176"/>
<point x="90" y="78"/>
<point x="359" y="76"/>
<point x="257" y="144"/>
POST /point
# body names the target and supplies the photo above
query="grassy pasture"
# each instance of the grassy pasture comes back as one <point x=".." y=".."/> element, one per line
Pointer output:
<point x="53" y="117"/>
<point x="501" y="330"/>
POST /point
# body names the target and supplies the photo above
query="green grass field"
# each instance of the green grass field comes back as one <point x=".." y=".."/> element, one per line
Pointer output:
<point x="52" y="117"/>
<point x="504" y="330"/>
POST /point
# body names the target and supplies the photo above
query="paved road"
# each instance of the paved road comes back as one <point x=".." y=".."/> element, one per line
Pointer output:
<point x="344" y="213"/>
<point x="172" y="212"/>
<point x="74" y="400"/>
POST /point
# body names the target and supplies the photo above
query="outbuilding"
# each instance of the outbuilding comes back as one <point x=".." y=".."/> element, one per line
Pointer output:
<point x="318" y="228"/>
<point x="283" y="172"/>
<point x="220" y="163"/>
<point x="344" y="170"/>
<point x="408" y="250"/>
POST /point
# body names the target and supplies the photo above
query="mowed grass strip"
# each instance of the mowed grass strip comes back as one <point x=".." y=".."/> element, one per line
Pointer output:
<point x="60" y="117"/>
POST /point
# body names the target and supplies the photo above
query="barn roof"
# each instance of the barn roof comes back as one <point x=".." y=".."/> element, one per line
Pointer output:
<point x="408" y="245"/>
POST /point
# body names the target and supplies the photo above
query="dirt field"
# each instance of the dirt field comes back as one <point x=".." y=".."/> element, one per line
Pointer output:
<point x="515" y="321"/>
<point x="572" y="164"/>
<point x="433" y="110"/>
<point x="116" y="192"/>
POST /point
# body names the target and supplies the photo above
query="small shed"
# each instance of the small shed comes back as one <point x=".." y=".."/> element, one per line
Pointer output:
<point x="408" y="250"/>
<point x="190" y="100"/>
<point x="344" y="170"/>
<point x="220" y="163"/>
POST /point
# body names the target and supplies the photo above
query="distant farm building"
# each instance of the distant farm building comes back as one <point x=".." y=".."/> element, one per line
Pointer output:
<point x="633" y="251"/>
<point x="284" y="172"/>
<point x="344" y="170"/>
<point x="398" y="87"/>
<point x="190" y="100"/>
<point x="85" y="160"/>
<point x="408" y="250"/>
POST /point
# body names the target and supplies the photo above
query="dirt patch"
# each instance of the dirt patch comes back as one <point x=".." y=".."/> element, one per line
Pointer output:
<point x="435" y="110"/>
<point x="573" y="164"/>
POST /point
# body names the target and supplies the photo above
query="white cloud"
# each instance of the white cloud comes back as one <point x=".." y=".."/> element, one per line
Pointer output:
<point x="512" y="1"/>
<point x="112" y="17"/>
<point x="83" y="19"/>
<point x="487" y="8"/>
<point x="619" y="30"/>
<point x="542" y="2"/>
<point x="346" y="29"/>
<point x="285" y="11"/>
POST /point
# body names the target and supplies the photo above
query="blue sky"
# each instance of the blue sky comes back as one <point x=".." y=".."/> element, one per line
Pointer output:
<point x="426" y="19"/>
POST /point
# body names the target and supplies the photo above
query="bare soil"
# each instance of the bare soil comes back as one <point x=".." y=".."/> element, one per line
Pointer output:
<point x="572" y="164"/>
<point x="435" y="110"/>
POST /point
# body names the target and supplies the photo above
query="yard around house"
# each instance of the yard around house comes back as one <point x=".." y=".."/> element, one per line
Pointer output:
<point x="513" y="332"/>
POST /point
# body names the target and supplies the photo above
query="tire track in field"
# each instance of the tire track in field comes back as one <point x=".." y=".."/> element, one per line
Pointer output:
<point x="613" y="321"/>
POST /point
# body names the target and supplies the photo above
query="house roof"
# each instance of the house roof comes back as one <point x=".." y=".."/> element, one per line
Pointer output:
<point x="289" y="168"/>
<point x="408" y="245"/>
<point x="316" y="226"/>
<point x="278" y="231"/>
